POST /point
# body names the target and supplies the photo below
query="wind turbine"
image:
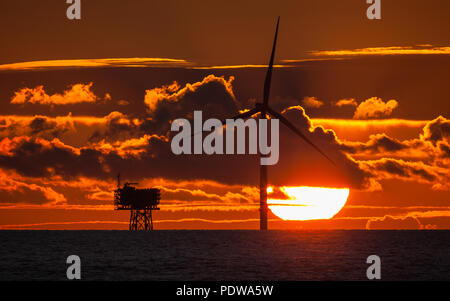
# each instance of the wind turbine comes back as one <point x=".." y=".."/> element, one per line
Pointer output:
<point x="264" y="110"/>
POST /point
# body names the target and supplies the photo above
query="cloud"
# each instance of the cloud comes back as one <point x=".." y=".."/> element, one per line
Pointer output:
<point x="117" y="126"/>
<point x="377" y="124"/>
<point x="236" y="67"/>
<point x="390" y="222"/>
<point x="149" y="155"/>
<point x="77" y="93"/>
<point x="431" y="145"/>
<point x="389" y="168"/>
<point x="95" y="63"/>
<point x="377" y="143"/>
<point x="88" y="172"/>
<point x="139" y="145"/>
<point x="413" y="220"/>
<point x="395" y="50"/>
<point x="438" y="130"/>
<point x="14" y="188"/>
<point x="212" y="95"/>
<point x="108" y="96"/>
<point x="63" y="225"/>
<point x="312" y="102"/>
<point x="73" y="130"/>
<point x="22" y="192"/>
<point x="424" y="159"/>
<point x="174" y="92"/>
<point x="346" y="102"/>
<point x="37" y="126"/>
<point x="116" y="149"/>
<point x="24" y="154"/>
<point x="383" y="145"/>
<point x="375" y="108"/>
<point x="300" y="61"/>
<point x="362" y="129"/>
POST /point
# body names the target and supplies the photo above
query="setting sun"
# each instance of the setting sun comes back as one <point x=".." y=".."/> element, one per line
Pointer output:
<point x="307" y="203"/>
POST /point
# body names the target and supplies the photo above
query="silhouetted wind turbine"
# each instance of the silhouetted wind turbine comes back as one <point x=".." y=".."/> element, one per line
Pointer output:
<point x="264" y="109"/>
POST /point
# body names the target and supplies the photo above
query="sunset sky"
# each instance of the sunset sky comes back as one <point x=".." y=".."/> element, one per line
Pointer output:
<point x="82" y="100"/>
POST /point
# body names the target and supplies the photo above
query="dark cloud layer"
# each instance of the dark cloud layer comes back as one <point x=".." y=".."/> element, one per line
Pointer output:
<point x="130" y="133"/>
<point x="140" y="146"/>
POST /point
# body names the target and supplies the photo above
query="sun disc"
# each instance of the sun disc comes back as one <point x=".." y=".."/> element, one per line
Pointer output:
<point x="308" y="203"/>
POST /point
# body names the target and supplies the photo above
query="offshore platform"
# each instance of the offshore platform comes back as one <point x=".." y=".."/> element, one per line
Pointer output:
<point x="141" y="202"/>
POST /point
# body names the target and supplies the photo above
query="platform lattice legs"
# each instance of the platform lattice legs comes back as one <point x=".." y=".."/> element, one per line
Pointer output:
<point x="141" y="220"/>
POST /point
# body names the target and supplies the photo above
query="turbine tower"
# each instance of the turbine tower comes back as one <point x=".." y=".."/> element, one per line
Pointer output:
<point x="264" y="110"/>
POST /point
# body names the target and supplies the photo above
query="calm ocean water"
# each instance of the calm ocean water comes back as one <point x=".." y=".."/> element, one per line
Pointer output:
<point x="225" y="255"/>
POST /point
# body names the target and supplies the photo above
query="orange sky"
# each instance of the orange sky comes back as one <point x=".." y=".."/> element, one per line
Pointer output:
<point x="97" y="98"/>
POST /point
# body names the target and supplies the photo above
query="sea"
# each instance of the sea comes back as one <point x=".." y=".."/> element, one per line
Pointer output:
<point x="234" y="255"/>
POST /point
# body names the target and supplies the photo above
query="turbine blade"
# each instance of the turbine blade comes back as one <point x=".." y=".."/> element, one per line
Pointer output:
<point x="269" y="69"/>
<point x="298" y="132"/>
<point x="244" y="115"/>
